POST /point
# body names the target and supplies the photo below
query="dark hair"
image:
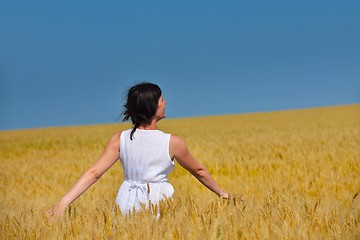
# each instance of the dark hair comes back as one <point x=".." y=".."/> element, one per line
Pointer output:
<point x="141" y="105"/>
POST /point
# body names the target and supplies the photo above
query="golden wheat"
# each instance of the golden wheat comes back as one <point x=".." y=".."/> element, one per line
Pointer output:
<point x="298" y="170"/>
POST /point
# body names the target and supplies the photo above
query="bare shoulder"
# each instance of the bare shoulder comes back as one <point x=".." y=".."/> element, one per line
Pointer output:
<point x="115" y="140"/>
<point x="117" y="135"/>
<point x="176" y="141"/>
<point x="177" y="146"/>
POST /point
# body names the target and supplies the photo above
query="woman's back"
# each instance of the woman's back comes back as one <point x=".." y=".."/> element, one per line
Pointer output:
<point x="146" y="163"/>
<point x="145" y="158"/>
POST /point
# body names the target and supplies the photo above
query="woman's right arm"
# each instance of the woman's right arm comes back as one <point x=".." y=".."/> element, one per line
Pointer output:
<point x="105" y="161"/>
<point x="180" y="152"/>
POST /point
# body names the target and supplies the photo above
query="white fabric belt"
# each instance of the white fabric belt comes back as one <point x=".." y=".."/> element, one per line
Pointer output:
<point x="143" y="187"/>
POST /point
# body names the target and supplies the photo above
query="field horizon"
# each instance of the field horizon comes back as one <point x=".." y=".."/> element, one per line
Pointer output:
<point x="184" y="118"/>
<point x="298" y="170"/>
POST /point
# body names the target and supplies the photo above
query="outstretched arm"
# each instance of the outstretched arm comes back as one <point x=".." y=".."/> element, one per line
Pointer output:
<point x="180" y="152"/>
<point x="106" y="160"/>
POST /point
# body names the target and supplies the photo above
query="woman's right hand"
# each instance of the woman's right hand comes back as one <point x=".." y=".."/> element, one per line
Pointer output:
<point x="58" y="210"/>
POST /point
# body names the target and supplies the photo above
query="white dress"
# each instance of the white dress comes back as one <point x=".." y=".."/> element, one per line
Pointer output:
<point x="146" y="163"/>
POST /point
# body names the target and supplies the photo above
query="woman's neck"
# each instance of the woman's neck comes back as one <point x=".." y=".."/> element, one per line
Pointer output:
<point x="151" y="126"/>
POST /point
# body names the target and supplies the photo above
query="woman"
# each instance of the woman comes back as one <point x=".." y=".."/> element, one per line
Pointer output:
<point x="147" y="156"/>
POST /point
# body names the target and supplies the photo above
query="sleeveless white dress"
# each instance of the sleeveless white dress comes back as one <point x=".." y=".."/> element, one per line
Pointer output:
<point x="146" y="163"/>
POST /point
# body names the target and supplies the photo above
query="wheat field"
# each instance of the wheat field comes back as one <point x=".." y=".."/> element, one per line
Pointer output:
<point x="299" y="171"/>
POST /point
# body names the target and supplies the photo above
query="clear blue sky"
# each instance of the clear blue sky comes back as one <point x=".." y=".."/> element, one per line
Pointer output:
<point x="70" y="62"/>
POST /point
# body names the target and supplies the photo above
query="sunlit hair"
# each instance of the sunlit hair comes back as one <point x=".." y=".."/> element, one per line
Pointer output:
<point x="141" y="105"/>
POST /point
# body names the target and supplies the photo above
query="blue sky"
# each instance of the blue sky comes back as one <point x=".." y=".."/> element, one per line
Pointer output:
<point x="70" y="62"/>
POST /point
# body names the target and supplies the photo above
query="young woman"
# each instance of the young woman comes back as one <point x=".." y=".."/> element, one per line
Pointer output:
<point x="147" y="156"/>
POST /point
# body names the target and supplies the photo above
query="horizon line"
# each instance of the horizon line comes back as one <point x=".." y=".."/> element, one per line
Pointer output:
<point x="177" y="118"/>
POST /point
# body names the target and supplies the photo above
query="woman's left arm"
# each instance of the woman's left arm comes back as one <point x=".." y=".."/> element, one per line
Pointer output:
<point x="105" y="161"/>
